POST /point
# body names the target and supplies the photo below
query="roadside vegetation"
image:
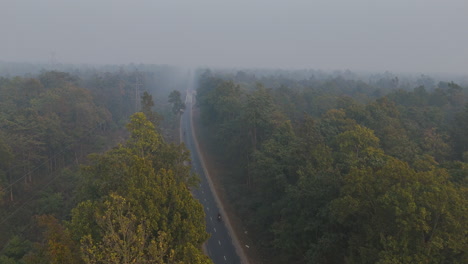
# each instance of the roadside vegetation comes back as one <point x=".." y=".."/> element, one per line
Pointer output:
<point x="85" y="179"/>
<point x="334" y="169"/>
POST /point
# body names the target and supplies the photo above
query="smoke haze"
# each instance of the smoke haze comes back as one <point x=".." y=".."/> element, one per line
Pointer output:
<point x="409" y="35"/>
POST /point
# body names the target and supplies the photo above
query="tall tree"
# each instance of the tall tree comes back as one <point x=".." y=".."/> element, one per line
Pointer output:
<point x="259" y="115"/>
<point x="135" y="193"/>
<point x="393" y="214"/>
<point x="175" y="98"/>
<point x="125" y="238"/>
<point x="147" y="105"/>
<point x="57" y="247"/>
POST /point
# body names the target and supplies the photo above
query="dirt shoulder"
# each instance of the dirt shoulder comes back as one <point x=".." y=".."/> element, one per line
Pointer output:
<point x="215" y="169"/>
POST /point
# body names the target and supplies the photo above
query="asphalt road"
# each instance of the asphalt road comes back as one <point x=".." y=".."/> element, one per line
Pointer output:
<point x="219" y="246"/>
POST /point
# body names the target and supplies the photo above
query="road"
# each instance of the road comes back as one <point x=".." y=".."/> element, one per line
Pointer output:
<point x="219" y="247"/>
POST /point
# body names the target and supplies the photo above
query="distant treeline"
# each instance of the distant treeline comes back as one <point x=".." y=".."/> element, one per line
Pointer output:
<point x="338" y="170"/>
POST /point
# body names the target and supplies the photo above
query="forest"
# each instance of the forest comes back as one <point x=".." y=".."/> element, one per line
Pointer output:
<point x="321" y="167"/>
<point x="337" y="168"/>
<point x="234" y="132"/>
<point x="91" y="170"/>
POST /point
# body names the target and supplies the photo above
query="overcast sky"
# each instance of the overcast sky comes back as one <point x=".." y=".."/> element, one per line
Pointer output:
<point x="377" y="35"/>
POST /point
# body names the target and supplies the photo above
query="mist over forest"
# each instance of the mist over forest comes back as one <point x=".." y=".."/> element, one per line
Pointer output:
<point x="318" y="166"/>
<point x="336" y="170"/>
<point x="247" y="131"/>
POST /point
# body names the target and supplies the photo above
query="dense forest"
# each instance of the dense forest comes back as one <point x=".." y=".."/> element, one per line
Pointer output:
<point x="91" y="172"/>
<point x="338" y="169"/>
<point x="321" y="167"/>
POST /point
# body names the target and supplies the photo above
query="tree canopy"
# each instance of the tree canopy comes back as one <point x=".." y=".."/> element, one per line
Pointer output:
<point x="330" y="171"/>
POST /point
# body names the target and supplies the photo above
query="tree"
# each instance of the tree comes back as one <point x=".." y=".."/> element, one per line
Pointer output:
<point x="459" y="126"/>
<point x="393" y="214"/>
<point x="274" y="164"/>
<point x="304" y="231"/>
<point x="147" y="106"/>
<point x="334" y="122"/>
<point x="125" y="238"/>
<point x="385" y="119"/>
<point x="16" y="248"/>
<point x="358" y="147"/>
<point x="435" y="145"/>
<point x="133" y="192"/>
<point x="57" y="247"/>
<point x="356" y="140"/>
<point x="177" y="104"/>
<point x="362" y="183"/>
<point x="5" y="160"/>
<point x="258" y="116"/>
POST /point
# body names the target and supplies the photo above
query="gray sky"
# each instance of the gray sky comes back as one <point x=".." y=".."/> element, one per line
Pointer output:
<point x="377" y="35"/>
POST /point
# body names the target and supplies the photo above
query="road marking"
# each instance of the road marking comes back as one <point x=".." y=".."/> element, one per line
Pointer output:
<point x="214" y="229"/>
<point x="224" y="257"/>
<point x="247" y="246"/>
<point x="219" y="242"/>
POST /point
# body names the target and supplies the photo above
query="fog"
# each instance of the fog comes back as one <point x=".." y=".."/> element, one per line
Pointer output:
<point x="428" y="36"/>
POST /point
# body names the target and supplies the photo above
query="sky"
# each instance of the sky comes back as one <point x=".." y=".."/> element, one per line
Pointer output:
<point x="360" y="35"/>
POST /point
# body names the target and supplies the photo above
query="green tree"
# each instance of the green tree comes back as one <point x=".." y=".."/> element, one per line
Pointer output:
<point x="362" y="183"/>
<point x="5" y="161"/>
<point x="125" y="238"/>
<point x="136" y="185"/>
<point x="275" y="164"/>
<point x="147" y="105"/>
<point x="259" y="115"/>
<point x="334" y="122"/>
<point x="393" y="214"/>
<point x="358" y="147"/>
<point x="459" y="126"/>
<point x="57" y="246"/>
<point x="15" y="250"/>
<point x="175" y="98"/>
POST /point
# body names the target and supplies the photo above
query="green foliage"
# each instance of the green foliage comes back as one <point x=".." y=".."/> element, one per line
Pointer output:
<point x="143" y="140"/>
<point x="458" y="132"/>
<point x="274" y="164"/>
<point x="7" y="260"/>
<point x="175" y="98"/>
<point x="48" y="125"/>
<point x="259" y="115"/>
<point x="138" y="206"/>
<point x="395" y="214"/>
<point x="57" y="247"/>
<point x="147" y="105"/>
<point x="50" y="203"/>
<point x="15" y="249"/>
<point x="323" y="171"/>
<point x="124" y="237"/>
<point x="357" y="147"/>
<point x="45" y="122"/>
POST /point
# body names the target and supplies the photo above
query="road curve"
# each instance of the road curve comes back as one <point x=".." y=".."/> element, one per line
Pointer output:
<point x="220" y="246"/>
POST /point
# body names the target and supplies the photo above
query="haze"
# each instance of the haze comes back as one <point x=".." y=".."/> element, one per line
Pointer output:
<point x="398" y="35"/>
